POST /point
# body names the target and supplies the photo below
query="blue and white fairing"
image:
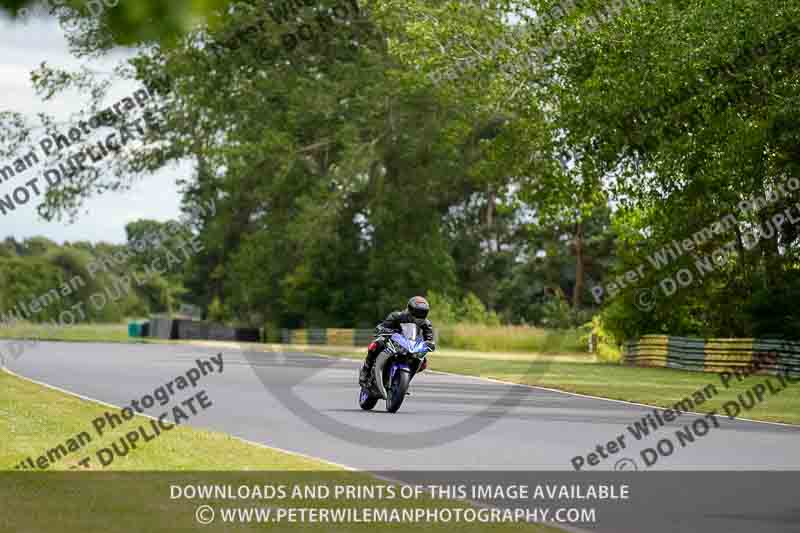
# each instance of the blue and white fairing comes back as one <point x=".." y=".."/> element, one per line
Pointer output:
<point x="412" y="346"/>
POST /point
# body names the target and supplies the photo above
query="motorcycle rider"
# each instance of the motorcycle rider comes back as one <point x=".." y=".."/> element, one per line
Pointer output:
<point x="416" y="312"/>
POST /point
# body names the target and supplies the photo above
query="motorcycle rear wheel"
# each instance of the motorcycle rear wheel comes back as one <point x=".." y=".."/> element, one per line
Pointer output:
<point x="366" y="400"/>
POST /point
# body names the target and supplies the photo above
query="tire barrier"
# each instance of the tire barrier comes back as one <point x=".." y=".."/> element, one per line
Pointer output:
<point x="193" y="330"/>
<point x="247" y="334"/>
<point x="163" y="328"/>
<point x="362" y="337"/>
<point x="185" y="329"/>
<point x="220" y="332"/>
<point x="179" y="328"/>
<point x="341" y="337"/>
<point x="772" y="356"/>
<point x="319" y="336"/>
<point x="138" y="329"/>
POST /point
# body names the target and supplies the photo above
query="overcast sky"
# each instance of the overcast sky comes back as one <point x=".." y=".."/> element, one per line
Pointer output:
<point x="25" y="44"/>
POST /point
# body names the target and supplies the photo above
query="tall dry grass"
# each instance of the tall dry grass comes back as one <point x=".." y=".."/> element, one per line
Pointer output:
<point x="510" y="339"/>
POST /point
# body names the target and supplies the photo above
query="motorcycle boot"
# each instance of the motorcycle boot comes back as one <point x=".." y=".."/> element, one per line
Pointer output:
<point x="365" y="374"/>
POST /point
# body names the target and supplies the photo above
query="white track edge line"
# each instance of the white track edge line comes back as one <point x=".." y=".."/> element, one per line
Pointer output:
<point x="782" y="424"/>
<point x="259" y="444"/>
<point x="493" y="380"/>
<point x="568" y="529"/>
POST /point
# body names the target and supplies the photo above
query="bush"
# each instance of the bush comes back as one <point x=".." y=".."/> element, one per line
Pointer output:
<point x="443" y="311"/>
<point x="470" y="309"/>
<point x="217" y="312"/>
<point x="608" y="348"/>
<point x="473" y="311"/>
<point x="557" y="313"/>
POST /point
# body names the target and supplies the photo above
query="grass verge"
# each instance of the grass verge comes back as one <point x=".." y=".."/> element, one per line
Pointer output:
<point x="77" y="332"/>
<point x="35" y="419"/>
<point x="662" y="387"/>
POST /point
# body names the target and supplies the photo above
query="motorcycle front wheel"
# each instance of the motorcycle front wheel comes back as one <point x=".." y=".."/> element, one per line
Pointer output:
<point x="397" y="391"/>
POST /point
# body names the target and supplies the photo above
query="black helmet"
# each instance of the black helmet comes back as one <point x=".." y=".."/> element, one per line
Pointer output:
<point x="418" y="307"/>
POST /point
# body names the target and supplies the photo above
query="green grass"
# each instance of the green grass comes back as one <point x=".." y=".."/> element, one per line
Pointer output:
<point x="35" y="419"/>
<point x="653" y="386"/>
<point x="76" y="333"/>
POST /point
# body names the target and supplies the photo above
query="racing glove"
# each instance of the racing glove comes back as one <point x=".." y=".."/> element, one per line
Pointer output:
<point x="430" y="346"/>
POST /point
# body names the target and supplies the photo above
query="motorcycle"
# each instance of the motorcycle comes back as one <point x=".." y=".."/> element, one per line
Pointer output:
<point x="401" y="358"/>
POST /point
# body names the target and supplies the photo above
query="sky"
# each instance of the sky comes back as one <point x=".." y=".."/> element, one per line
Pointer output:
<point x="24" y="45"/>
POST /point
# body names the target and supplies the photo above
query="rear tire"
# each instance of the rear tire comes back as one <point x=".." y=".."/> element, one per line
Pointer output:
<point x="397" y="392"/>
<point x="366" y="400"/>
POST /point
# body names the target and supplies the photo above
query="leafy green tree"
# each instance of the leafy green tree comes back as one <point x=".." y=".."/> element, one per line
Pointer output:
<point x="147" y="240"/>
<point x="125" y="23"/>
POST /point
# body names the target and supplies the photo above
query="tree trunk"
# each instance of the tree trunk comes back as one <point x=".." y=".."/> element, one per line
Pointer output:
<point x="490" y="207"/>
<point x="576" y="293"/>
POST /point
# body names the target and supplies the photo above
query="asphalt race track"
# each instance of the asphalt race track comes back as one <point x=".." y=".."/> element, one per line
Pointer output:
<point x="308" y="404"/>
<point x="544" y="432"/>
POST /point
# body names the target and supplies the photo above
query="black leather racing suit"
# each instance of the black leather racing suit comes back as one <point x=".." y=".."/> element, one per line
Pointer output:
<point x="392" y="323"/>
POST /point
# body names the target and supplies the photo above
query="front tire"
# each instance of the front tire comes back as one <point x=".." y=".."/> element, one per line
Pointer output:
<point x="397" y="392"/>
<point x="366" y="400"/>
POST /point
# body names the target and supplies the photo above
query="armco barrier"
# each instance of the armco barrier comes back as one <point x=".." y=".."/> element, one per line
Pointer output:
<point x="714" y="355"/>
